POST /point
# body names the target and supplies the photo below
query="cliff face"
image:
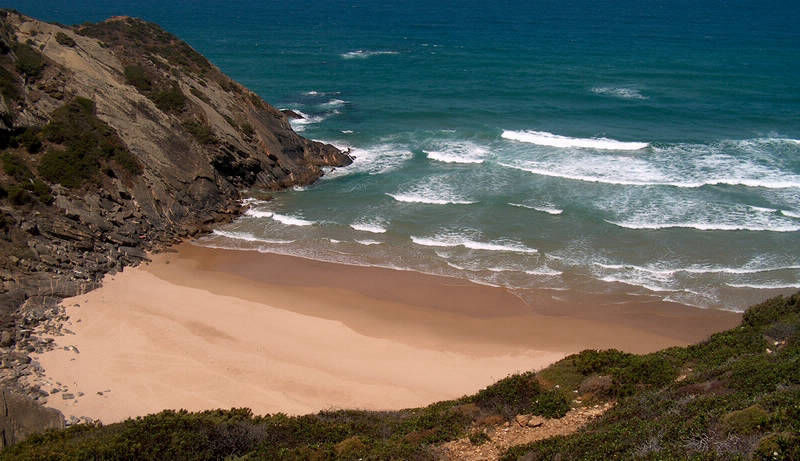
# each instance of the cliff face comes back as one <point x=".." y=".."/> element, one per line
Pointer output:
<point x="118" y="138"/>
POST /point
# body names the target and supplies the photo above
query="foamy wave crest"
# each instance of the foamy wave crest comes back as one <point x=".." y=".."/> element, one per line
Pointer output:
<point x="747" y="269"/>
<point x="258" y="213"/>
<point x="544" y="209"/>
<point x="291" y="220"/>
<point x="334" y="103"/>
<point x="368" y="227"/>
<point x="412" y="198"/>
<point x="456" y="241"/>
<point x="543" y="271"/>
<point x="435" y="190"/>
<point x="368" y="242"/>
<point x="300" y="124"/>
<point x="635" y="282"/>
<point x="376" y="159"/>
<point x="791" y="214"/>
<point x="363" y="54"/>
<point x="704" y="226"/>
<point x="757" y="163"/>
<point x="624" y="93"/>
<point x="248" y="237"/>
<point x="544" y="138"/>
<point x="457" y="152"/>
<point x="765" y="286"/>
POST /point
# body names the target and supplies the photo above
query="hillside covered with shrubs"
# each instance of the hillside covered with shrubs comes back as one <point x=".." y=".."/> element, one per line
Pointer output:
<point x="734" y="396"/>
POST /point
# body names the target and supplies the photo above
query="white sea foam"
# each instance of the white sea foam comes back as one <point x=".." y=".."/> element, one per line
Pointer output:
<point x="300" y="124"/>
<point x="433" y="190"/>
<point x="248" y="237"/>
<point x="456" y="241"/>
<point x="545" y="209"/>
<point x="375" y="159"/>
<point x="363" y="54"/>
<point x="762" y="209"/>
<point x="749" y="163"/>
<point x="698" y="269"/>
<point x="258" y="213"/>
<point x="347" y="131"/>
<point x="543" y="271"/>
<point x="619" y="92"/>
<point x="791" y="214"/>
<point x="635" y="282"/>
<point x="413" y="198"/>
<point x="765" y="286"/>
<point x="454" y="266"/>
<point x="544" y="138"/>
<point x="368" y="242"/>
<point x="704" y="226"/>
<point x="334" y="103"/>
<point x="457" y="152"/>
<point x="368" y="227"/>
<point x="311" y="93"/>
<point x="291" y="220"/>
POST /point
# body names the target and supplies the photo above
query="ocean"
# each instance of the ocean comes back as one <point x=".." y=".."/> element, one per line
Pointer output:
<point x="588" y="146"/>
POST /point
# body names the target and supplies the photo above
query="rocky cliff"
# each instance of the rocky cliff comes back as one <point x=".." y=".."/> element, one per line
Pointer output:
<point x="117" y="138"/>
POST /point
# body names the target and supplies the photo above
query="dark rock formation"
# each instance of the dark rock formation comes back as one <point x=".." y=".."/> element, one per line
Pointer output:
<point x="21" y="417"/>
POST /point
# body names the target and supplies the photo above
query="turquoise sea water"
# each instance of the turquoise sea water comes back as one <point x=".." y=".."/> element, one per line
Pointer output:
<point x="648" y="147"/>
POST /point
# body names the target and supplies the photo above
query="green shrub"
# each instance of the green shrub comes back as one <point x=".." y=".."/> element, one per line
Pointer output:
<point x="200" y="131"/>
<point x="17" y="195"/>
<point x="15" y="166"/>
<point x="65" y="39"/>
<point x="136" y="76"/>
<point x="199" y="94"/>
<point x="29" y="139"/>
<point x="9" y="86"/>
<point x="746" y="421"/>
<point x="770" y="310"/>
<point x="478" y="437"/>
<point x="88" y="141"/>
<point x="510" y="396"/>
<point x="29" y="61"/>
<point x="550" y="404"/>
<point x="171" y="100"/>
<point x="593" y="361"/>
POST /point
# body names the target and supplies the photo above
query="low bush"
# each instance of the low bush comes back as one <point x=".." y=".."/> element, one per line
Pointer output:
<point x="65" y="39"/>
<point x="87" y="141"/>
<point x="30" y="62"/>
<point x="15" y="166"/>
<point x="171" y="100"/>
<point x="137" y="76"/>
<point x="200" y="132"/>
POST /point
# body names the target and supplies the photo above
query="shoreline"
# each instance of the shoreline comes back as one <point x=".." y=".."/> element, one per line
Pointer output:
<point x="201" y="328"/>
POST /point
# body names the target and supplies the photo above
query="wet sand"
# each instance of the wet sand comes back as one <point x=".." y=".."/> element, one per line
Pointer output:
<point x="202" y="328"/>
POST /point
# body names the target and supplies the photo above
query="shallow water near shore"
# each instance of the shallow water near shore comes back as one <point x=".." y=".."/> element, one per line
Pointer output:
<point x="595" y="147"/>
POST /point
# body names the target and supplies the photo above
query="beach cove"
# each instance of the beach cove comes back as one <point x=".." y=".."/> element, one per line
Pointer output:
<point x="202" y="328"/>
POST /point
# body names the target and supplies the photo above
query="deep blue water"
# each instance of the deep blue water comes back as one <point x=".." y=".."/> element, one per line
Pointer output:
<point x="651" y="147"/>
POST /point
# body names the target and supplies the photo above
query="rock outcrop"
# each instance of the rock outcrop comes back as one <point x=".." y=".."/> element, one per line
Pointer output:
<point x="118" y="138"/>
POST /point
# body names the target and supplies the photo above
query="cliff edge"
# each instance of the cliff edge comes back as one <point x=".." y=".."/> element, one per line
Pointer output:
<point x="117" y="138"/>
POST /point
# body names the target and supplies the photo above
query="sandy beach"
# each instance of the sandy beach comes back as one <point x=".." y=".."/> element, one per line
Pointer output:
<point x="200" y="328"/>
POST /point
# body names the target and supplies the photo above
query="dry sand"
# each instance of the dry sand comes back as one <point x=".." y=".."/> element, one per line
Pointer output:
<point x="205" y="328"/>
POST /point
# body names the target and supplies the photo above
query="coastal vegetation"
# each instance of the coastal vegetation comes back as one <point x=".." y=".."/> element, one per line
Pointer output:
<point x="733" y="396"/>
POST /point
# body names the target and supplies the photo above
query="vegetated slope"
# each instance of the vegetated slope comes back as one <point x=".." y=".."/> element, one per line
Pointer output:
<point x="117" y="138"/>
<point x="734" y="396"/>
